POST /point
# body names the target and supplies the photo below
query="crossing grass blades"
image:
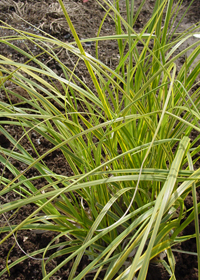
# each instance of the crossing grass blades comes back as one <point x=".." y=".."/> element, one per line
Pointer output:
<point x="129" y="147"/>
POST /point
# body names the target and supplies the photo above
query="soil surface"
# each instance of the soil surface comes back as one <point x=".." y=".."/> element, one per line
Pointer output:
<point x="86" y="18"/>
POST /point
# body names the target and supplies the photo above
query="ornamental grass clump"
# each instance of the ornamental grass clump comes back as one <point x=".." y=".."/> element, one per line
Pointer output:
<point x="126" y="140"/>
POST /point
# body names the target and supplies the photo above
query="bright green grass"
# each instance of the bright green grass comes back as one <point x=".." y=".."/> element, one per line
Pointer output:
<point x="132" y="195"/>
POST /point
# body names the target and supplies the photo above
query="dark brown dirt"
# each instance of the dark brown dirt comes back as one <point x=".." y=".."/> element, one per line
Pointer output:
<point x="86" y="18"/>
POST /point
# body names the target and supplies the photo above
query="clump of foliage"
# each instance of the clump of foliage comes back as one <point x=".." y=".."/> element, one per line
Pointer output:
<point x="128" y="146"/>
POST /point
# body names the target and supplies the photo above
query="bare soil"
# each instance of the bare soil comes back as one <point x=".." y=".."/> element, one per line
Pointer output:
<point x="86" y="19"/>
